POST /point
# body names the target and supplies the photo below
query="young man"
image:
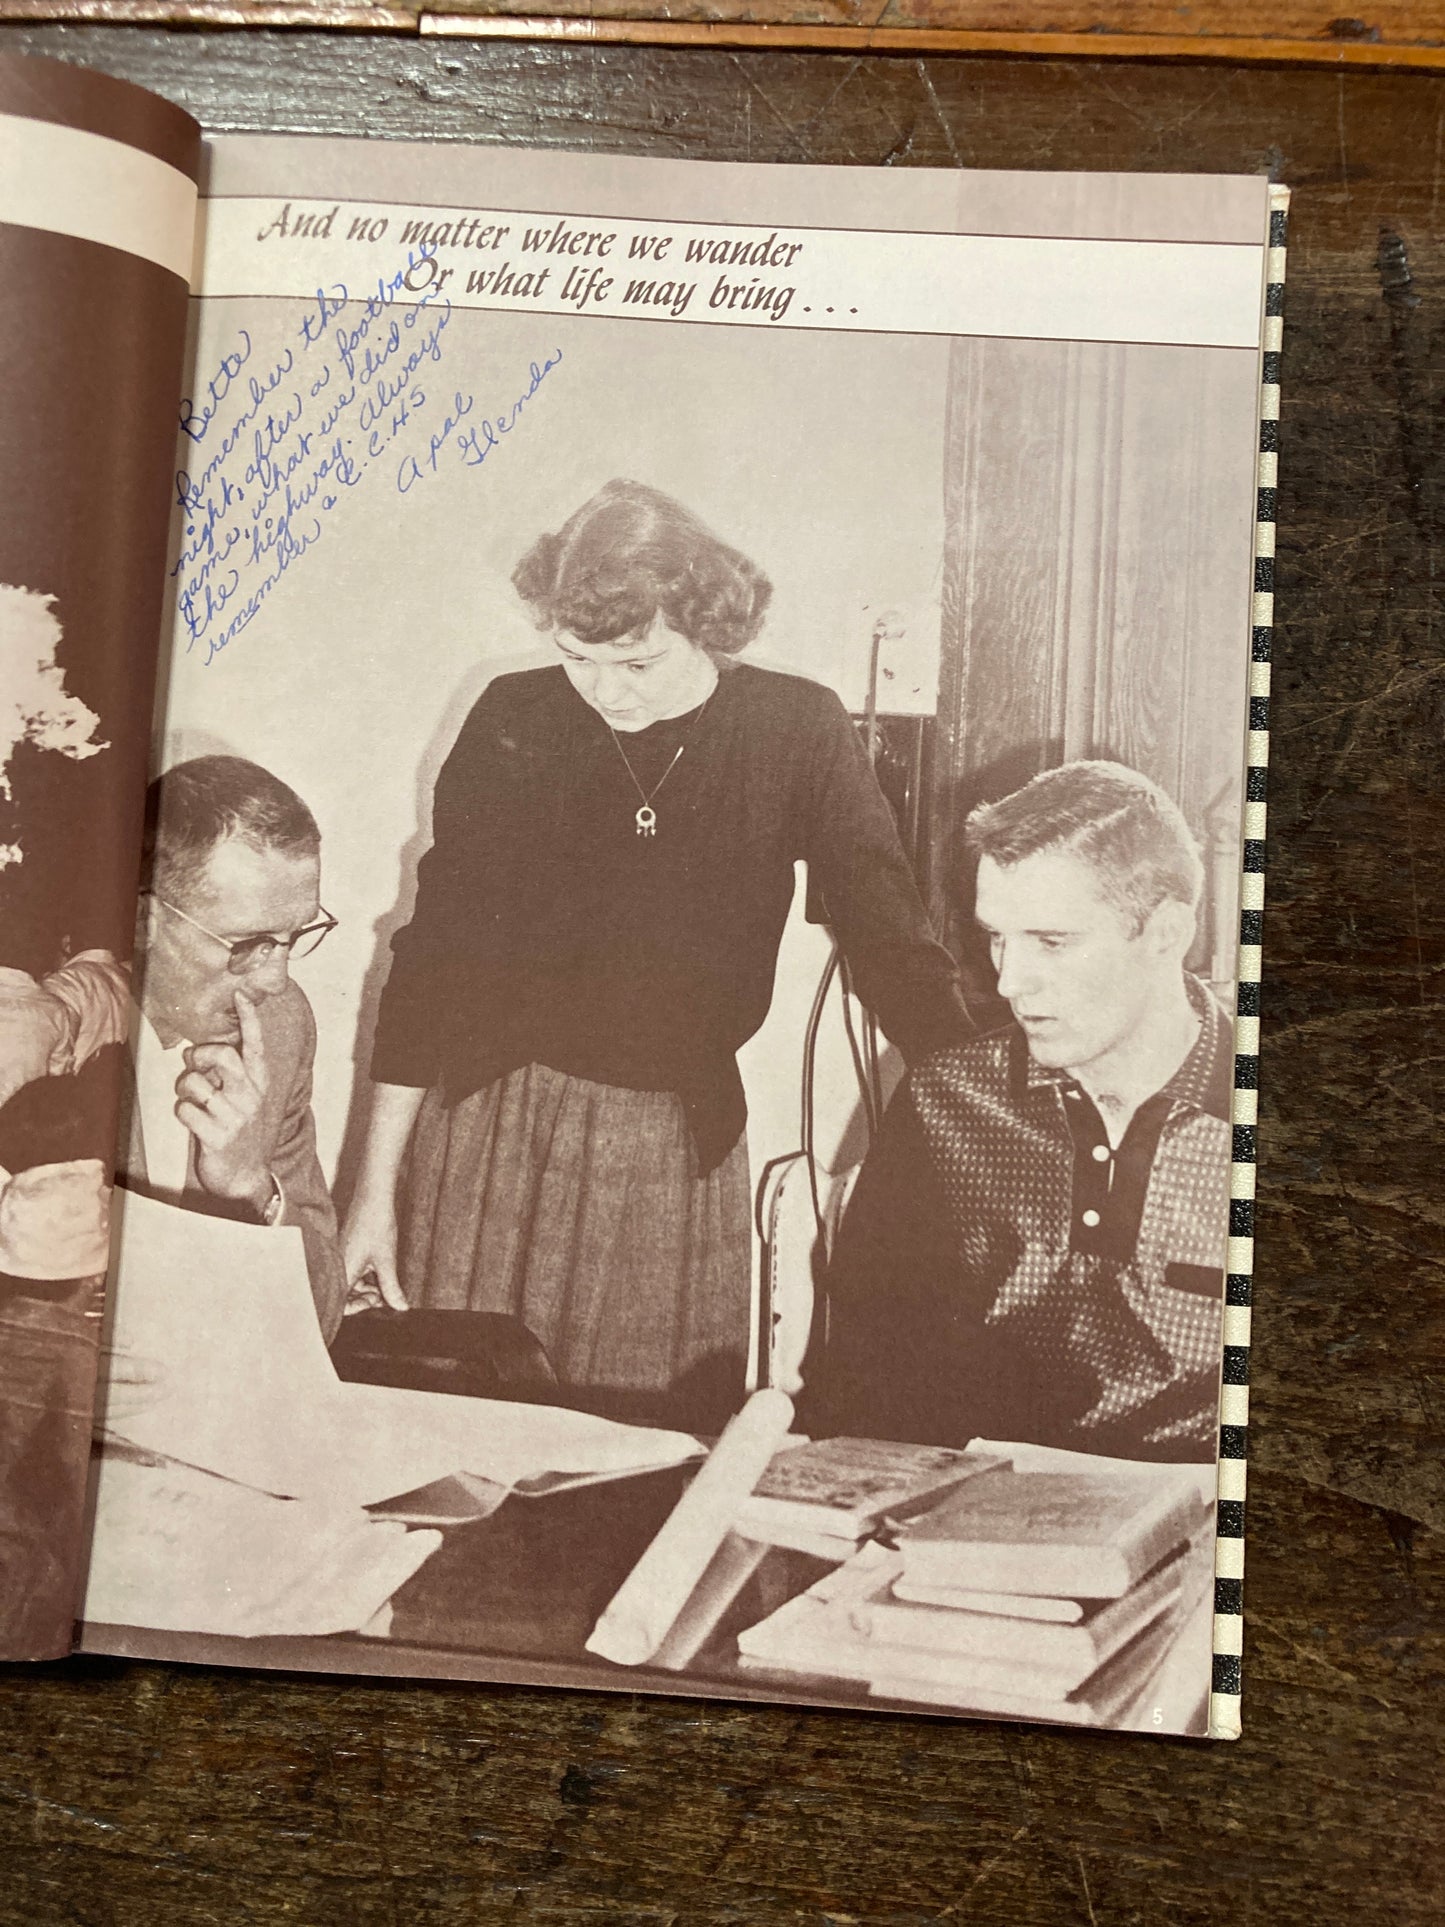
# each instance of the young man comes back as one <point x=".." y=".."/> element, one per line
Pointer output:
<point x="224" y="1040"/>
<point x="1035" y="1249"/>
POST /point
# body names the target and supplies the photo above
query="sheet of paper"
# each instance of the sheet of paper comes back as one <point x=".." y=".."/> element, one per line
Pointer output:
<point x="179" y="1550"/>
<point x="1052" y="1458"/>
<point x="216" y="1360"/>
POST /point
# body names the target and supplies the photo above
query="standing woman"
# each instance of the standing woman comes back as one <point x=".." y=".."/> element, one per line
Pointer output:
<point x="595" y="935"/>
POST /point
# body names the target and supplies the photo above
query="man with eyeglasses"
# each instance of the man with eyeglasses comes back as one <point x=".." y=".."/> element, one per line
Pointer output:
<point x="224" y="1041"/>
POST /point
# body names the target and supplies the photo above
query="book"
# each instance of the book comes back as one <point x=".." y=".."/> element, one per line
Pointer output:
<point x="1079" y="1648"/>
<point x="820" y="1636"/>
<point x="815" y="1633"/>
<point x="839" y="1629"/>
<point x="1010" y="1605"/>
<point x="1146" y="1686"/>
<point x="972" y="474"/>
<point x="1080" y="1535"/>
<point x="1106" y="1699"/>
<point x="843" y="1487"/>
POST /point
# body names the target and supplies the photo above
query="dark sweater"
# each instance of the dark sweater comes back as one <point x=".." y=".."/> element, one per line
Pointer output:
<point x="547" y="930"/>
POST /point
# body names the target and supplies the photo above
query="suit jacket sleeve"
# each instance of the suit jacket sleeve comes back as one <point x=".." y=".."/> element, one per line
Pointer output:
<point x="307" y="1198"/>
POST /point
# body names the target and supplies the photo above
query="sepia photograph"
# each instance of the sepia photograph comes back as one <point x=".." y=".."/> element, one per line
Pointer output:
<point x="685" y="967"/>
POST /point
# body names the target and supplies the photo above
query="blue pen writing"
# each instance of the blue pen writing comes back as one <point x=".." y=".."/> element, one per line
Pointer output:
<point x="409" y="472"/>
<point x="474" y="445"/>
<point x="329" y="304"/>
<point x="196" y="420"/>
<point x="290" y="432"/>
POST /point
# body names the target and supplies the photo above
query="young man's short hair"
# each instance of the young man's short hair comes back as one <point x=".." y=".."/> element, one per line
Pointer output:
<point x="1123" y="825"/>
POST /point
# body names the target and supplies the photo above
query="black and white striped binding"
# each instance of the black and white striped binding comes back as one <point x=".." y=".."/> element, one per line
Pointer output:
<point x="1234" y="1393"/>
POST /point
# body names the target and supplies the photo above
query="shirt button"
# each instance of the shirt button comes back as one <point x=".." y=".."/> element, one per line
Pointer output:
<point x="1091" y="1218"/>
<point x="1101" y="1154"/>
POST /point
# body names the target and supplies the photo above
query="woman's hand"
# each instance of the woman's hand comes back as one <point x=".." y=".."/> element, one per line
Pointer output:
<point x="368" y="1250"/>
<point x="368" y="1241"/>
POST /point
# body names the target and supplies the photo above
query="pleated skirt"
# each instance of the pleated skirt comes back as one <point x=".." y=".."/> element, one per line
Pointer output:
<point x="575" y="1207"/>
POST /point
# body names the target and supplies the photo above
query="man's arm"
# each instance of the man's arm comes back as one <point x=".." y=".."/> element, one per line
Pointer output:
<point x="305" y="1196"/>
<point x="895" y="1364"/>
<point x="249" y="1111"/>
<point x="34" y="1032"/>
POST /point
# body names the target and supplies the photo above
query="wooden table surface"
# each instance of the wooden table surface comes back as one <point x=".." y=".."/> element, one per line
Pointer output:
<point x="132" y="1792"/>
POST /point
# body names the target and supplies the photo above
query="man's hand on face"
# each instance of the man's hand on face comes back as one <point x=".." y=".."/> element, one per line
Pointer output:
<point x="219" y="1100"/>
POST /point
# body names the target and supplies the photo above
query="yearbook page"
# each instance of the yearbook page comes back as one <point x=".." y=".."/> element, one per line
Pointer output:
<point x="700" y="828"/>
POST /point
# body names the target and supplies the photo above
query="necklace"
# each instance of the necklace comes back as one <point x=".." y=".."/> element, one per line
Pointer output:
<point x="646" y="818"/>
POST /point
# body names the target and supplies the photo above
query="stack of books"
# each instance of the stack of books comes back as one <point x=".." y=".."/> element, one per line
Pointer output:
<point x="1045" y="1595"/>
<point x="825" y="1496"/>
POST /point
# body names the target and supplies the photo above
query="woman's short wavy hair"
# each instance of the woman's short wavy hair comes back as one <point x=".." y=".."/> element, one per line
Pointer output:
<point x="631" y="554"/>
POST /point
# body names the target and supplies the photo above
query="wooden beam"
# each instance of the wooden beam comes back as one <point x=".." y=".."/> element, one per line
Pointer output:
<point x="739" y="35"/>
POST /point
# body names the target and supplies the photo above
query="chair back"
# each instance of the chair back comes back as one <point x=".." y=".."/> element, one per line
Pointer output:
<point x="797" y="1239"/>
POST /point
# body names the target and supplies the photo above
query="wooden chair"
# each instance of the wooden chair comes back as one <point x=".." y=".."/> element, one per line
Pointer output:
<point x="797" y="1233"/>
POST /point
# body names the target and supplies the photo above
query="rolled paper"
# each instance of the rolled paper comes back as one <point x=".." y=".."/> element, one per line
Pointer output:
<point x="648" y="1601"/>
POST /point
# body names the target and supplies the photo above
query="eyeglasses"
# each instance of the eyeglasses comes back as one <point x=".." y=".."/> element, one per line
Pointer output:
<point x="254" y="953"/>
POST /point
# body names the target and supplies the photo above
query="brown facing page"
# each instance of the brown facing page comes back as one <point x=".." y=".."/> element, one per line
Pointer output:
<point x="95" y="180"/>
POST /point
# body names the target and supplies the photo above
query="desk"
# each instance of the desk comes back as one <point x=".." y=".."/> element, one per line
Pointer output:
<point x="513" y="1597"/>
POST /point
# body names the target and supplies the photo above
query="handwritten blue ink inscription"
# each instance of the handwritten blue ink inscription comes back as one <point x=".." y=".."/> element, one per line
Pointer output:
<point x="277" y="446"/>
<point x="473" y="443"/>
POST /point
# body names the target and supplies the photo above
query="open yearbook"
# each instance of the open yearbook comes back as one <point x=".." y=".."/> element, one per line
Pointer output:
<point x="631" y="812"/>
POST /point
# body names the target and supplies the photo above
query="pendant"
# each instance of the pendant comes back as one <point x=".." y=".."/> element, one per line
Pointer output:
<point x="647" y="821"/>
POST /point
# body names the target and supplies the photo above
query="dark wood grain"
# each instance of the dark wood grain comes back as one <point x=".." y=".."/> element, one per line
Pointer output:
<point x="1402" y="34"/>
<point x="139" y="1793"/>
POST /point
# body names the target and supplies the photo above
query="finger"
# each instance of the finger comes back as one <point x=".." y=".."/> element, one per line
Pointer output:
<point x="253" y="1044"/>
<point x="378" y="1268"/>
<point x="230" y="1119"/>
<point x="230" y="1112"/>
<point x="193" y="1087"/>
<point x="222" y="1063"/>
<point x="232" y="1083"/>
<point x="202" y="1125"/>
<point x="390" y="1288"/>
<point x="365" y="1295"/>
<point x="356" y="1256"/>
